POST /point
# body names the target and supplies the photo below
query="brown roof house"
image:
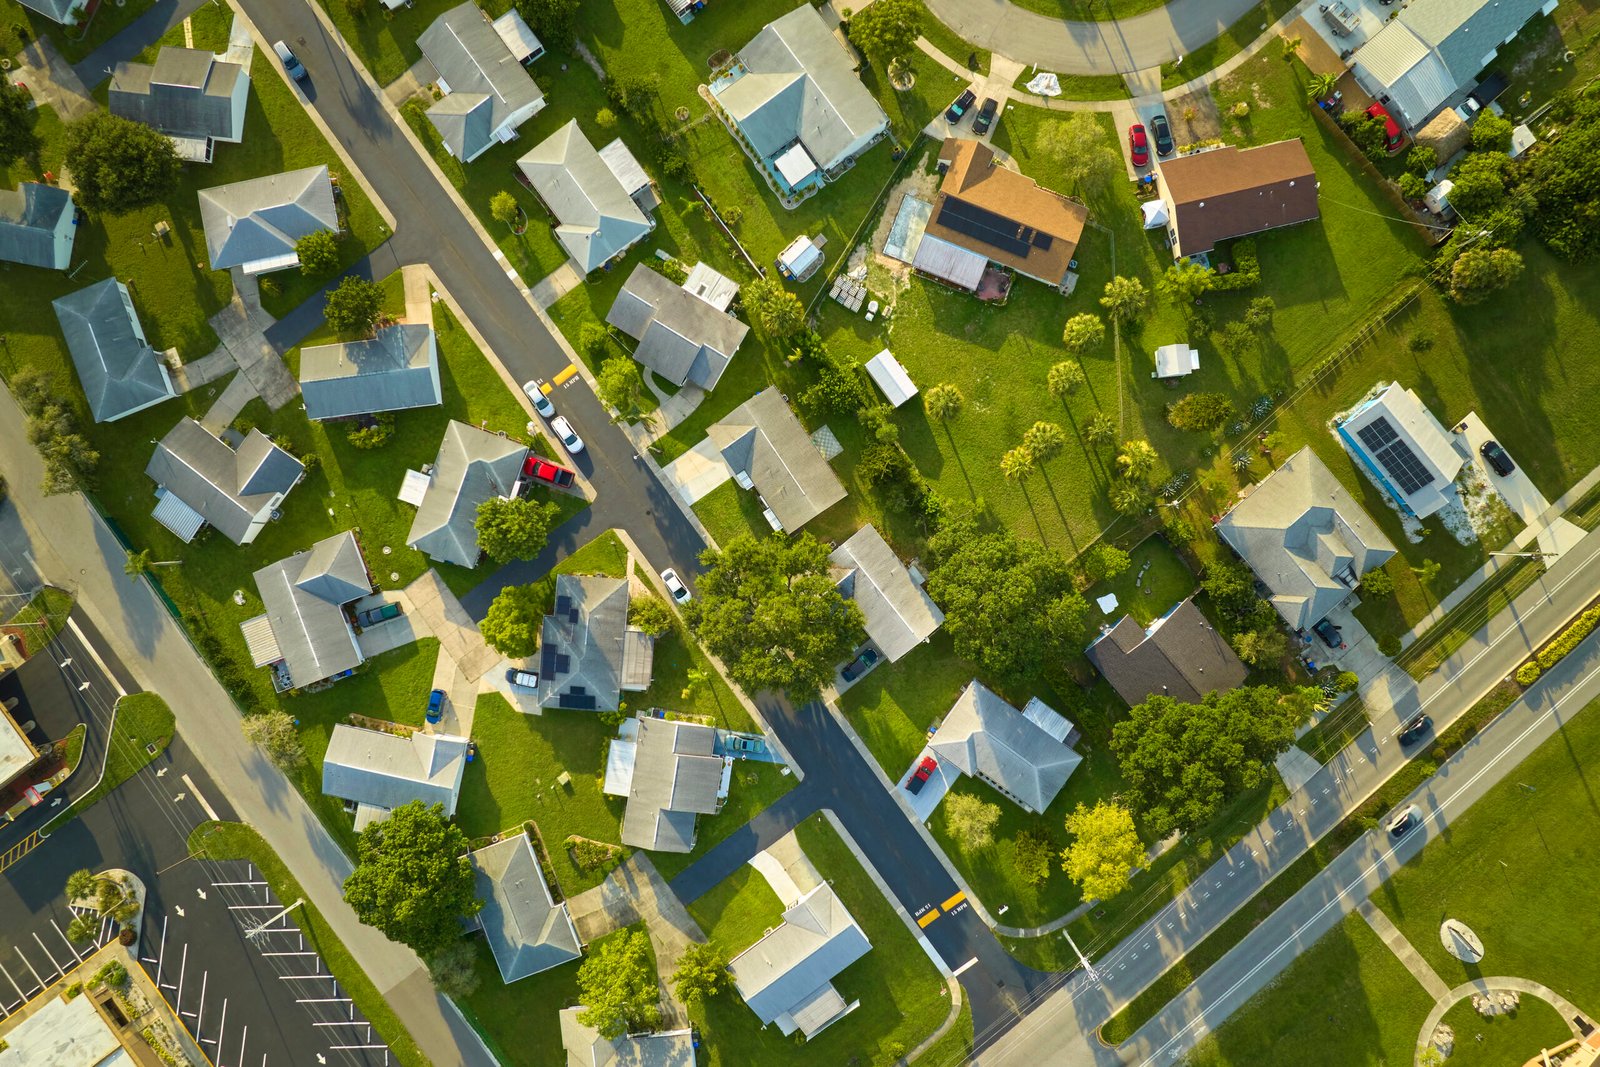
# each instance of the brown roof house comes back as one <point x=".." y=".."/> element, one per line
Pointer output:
<point x="1003" y="216"/>
<point x="1227" y="192"/>
<point x="1180" y="655"/>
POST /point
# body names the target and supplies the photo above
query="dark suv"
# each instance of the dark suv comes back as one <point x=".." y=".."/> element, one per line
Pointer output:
<point x="1329" y="633"/>
<point x="1162" y="132"/>
<point x="985" y="117"/>
<point x="1414" y="731"/>
<point x="953" y="114"/>
<point x="1497" y="458"/>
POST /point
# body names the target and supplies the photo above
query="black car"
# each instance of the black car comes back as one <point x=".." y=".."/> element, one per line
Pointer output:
<point x="985" y="116"/>
<point x="1414" y="731"/>
<point x="860" y="665"/>
<point x="1162" y="132"/>
<point x="1497" y="458"/>
<point x="1329" y="633"/>
<point x="963" y="102"/>
<point x="1404" y="821"/>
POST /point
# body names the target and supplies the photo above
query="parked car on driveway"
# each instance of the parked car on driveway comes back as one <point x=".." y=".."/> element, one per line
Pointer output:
<point x="436" y="705"/>
<point x="920" y="776"/>
<point x="675" y="586"/>
<point x="962" y="105"/>
<point x="860" y="665"/>
<point x="569" y="437"/>
<point x="381" y="613"/>
<point x="541" y="403"/>
<point x="1329" y="633"/>
<point x="985" y="116"/>
<point x="522" y="679"/>
<point x="1393" y="139"/>
<point x="1414" y="731"/>
<point x="1404" y="821"/>
<point x="542" y="470"/>
<point x="1163" y="133"/>
<point x="1138" y="145"/>
<point x="291" y="65"/>
<point x="1497" y="458"/>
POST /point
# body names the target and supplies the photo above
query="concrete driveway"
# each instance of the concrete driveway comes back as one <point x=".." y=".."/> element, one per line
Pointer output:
<point x="696" y="472"/>
<point x="1359" y="653"/>
<point x="938" y="784"/>
<point x="1516" y="488"/>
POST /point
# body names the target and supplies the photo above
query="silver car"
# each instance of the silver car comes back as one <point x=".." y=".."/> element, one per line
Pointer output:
<point x="569" y="437"/>
<point x="541" y="403"/>
<point x="675" y="586"/>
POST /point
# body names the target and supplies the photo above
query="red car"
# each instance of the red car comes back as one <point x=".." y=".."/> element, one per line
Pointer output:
<point x="542" y="470"/>
<point x="1393" y="138"/>
<point x="920" y="776"/>
<point x="1138" y="145"/>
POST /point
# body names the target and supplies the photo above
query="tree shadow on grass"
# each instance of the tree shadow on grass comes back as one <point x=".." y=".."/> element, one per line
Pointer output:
<point x="1065" y="525"/>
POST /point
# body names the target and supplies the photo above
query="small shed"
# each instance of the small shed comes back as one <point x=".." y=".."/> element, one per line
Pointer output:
<point x="891" y="377"/>
<point x="1438" y="198"/>
<point x="800" y="260"/>
<point x="1522" y="139"/>
<point x="716" y="289"/>
<point x="518" y="37"/>
<point x="1175" y="361"/>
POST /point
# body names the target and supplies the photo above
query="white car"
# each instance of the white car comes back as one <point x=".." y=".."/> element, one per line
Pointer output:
<point x="569" y="437"/>
<point x="541" y="403"/>
<point x="1404" y="821"/>
<point x="675" y="586"/>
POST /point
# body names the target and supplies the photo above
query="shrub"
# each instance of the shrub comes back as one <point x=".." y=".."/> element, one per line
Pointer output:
<point x="1378" y="582"/>
<point x="374" y="434"/>
<point x="1246" y="270"/>
<point x="590" y="855"/>
<point x="1389" y="644"/>
<point x="1412" y="187"/>
<point x="1528" y="673"/>
<point x="318" y="252"/>
<point x="1200" y="411"/>
<point x="113" y="974"/>
<point x="1421" y="160"/>
<point x="1552" y="653"/>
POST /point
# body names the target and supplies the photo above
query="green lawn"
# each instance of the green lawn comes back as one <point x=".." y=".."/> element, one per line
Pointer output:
<point x="1504" y="1039"/>
<point x="142" y="719"/>
<point x="953" y="44"/>
<point x="40" y="619"/>
<point x="1167" y="582"/>
<point x="20" y="26"/>
<point x="1227" y="44"/>
<point x="728" y="512"/>
<point x="902" y="996"/>
<point x="677" y="652"/>
<point x="1080" y="86"/>
<point x="209" y="26"/>
<point x="1089" y="10"/>
<point x="386" y="41"/>
<point x="235" y="841"/>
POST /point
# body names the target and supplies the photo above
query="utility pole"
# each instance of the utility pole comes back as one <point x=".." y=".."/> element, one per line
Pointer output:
<point x="1088" y="968"/>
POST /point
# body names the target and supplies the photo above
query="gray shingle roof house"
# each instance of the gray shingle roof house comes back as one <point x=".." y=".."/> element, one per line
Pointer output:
<point x="473" y="466"/>
<point x="199" y="479"/>
<point x="787" y="976"/>
<point x="527" y="930"/>
<point x="254" y="224"/>
<point x="593" y="195"/>
<point x="586" y="1048"/>
<point x="488" y="93"/>
<point x="681" y="337"/>
<point x="669" y="772"/>
<point x="65" y="12"/>
<point x="1401" y="444"/>
<point x="304" y="626"/>
<point x="1432" y="49"/>
<point x="37" y="226"/>
<point x="768" y="450"/>
<point x="900" y="615"/>
<point x="193" y="97"/>
<point x="1305" y="538"/>
<point x="396" y="369"/>
<point x="799" y="88"/>
<point x="119" y="370"/>
<point x="588" y="654"/>
<point x="1180" y="655"/>
<point x="379" y="771"/>
<point x="987" y="738"/>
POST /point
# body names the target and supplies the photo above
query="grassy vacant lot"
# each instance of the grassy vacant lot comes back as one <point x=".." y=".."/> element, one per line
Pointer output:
<point x="235" y="841"/>
<point x="902" y="996"/>
<point x="142" y="719"/>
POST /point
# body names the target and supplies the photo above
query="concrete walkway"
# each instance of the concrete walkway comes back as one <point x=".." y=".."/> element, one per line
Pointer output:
<point x="239" y="392"/>
<point x="442" y="615"/>
<point x="203" y="371"/>
<point x="556" y="285"/>
<point x="1404" y="951"/>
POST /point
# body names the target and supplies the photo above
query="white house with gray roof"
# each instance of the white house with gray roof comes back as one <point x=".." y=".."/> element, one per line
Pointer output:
<point x="473" y="466"/>
<point x="787" y="976"/>
<point x="37" y="226"/>
<point x="194" y="97"/>
<point x="394" y="370"/>
<point x="680" y="336"/>
<point x="1434" y="49"/>
<point x="526" y="929"/>
<point x="374" y="772"/>
<point x="255" y="224"/>
<point x="1023" y="755"/>
<point x="899" y="613"/>
<point x="487" y="91"/>
<point x="1305" y="538"/>
<point x="671" y="775"/>
<point x="200" y="479"/>
<point x="304" y="634"/>
<point x="601" y="200"/>
<point x="118" y="369"/>
<point x="767" y="449"/>
<point x="1404" y="449"/>
<point x="588" y="654"/>
<point x="586" y="1048"/>
<point x="795" y="97"/>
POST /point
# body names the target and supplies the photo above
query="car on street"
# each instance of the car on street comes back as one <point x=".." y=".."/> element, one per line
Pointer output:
<point x="569" y="437"/>
<point x="1163" y="133"/>
<point x="436" y="705"/>
<point x="860" y="665"/>
<point x="542" y="470"/>
<point x="1404" y="821"/>
<point x="541" y="403"/>
<point x="985" y="116"/>
<point x="675" y="586"/>
<point x="1414" y="731"/>
<point x="1393" y="139"/>
<point x="963" y="103"/>
<point x="1497" y="458"/>
<point x="1329" y="633"/>
<point x="920" y="776"/>
<point x="1138" y="145"/>
<point x="522" y="679"/>
<point x="291" y="65"/>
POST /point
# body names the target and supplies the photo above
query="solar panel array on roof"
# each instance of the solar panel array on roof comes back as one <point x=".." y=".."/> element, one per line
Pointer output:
<point x="547" y="661"/>
<point x="986" y="226"/>
<point x="1042" y="241"/>
<point x="1394" y="455"/>
<point x="563" y="663"/>
<point x="563" y="605"/>
<point x="578" y="699"/>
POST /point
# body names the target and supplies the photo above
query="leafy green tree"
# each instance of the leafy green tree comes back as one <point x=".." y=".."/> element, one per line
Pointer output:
<point x="81" y="885"/>
<point x="1231" y="587"/>
<point x="1104" y="562"/>
<point x="775" y="309"/>
<point x="274" y="733"/>
<point x="1200" y="411"/>
<point x="454" y="970"/>
<point x="1125" y="299"/>
<point x="1184" y="761"/>
<point x="17" y="138"/>
<point x="412" y="880"/>
<point x="1105" y="850"/>
<point x="554" y="21"/>
<point x="119" y="165"/>
<point x="943" y="402"/>
<point x="970" y="819"/>
<point x="83" y="928"/>
<point x="621" y="386"/>
<point x="1031" y="853"/>
<point x="650" y="614"/>
<point x="1044" y="441"/>
<point x="1017" y="464"/>
<point x="517" y="528"/>
<point x="318" y="252"/>
<point x="887" y="31"/>
<point x="1185" y="283"/>
<point x="770" y="610"/>
<point x="1561" y="184"/>
<point x="1421" y="160"/>
<point x="1491" y="133"/>
<point x="503" y="207"/>
<point x="1367" y="132"/>
<point x="1258" y="316"/>
<point x="511" y="625"/>
<point x="1137" y="460"/>
<point x="139" y="564"/>
<point x="617" y="985"/>
<point x="1478" y="184"/>
<point x="1081" y="152"/>
<point x="1009" y="603"/>
<point x="1412" y="187"/>
<point x="1261" y="648"/>
<point x="1064" y="379"/>
<point x="702" y="973"/>
<point x="1100" y="429"/>
<point x="1480" y="271"/>
<point x="354" y="306"/>
<point x="1082" y="333"/>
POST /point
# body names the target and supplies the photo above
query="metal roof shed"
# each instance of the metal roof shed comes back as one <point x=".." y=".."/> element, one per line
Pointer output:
<point x="799" y="258"/>
<point x="892" y="378"/>
<point x="519" y="37"/>
<point x="957" y="266"/>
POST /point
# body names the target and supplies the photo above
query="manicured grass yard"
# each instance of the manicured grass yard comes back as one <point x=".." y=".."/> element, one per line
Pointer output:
<point x="72" y="43"/>
<point x="40" y="619"/>
<point x="1504" y="1039"/>
<point x="209" y="25"/>
<point x="902" y="996"/>
<point x="142" y="719"/>
<point x="1167" y="581"/>
<point x="677" y="652"/>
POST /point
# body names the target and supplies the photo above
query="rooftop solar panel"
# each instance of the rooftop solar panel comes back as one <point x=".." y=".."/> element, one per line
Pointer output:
<point x="563" y="605"/>
<point x="983" y="225"/>
<point x="576" y="701"/>
<point x="547" y="661"/>
<point x="563" y="663"/>
<point x="1042" y="241"/>
<point x="572" y="616"/>
<point x="1401" y="464"/>
<point x="1377" y="433"/>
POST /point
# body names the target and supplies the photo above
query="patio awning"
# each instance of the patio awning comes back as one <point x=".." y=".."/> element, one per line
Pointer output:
<point x="177" y="516"/>
<point x="960" y="267"/>
<point x="795" y="164"/>
<point x="272" y="263"/>
<point x="260" y="641"/>
<point x="518" y="36"/>
<point x="414" y="488"/>
<point x="620" y="755"/>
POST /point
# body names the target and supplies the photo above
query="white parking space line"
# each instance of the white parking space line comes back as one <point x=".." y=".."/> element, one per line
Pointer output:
<point x="161" y="953"/>
<point x="200" y="1016"/>
<point x="183" y="969"/>
<point x="67" y="941"/>
<point x="41" y="981"/>
<point x="242" y="1039"/>
<point x="47" y="953"/>
<point x="222" y="1027"/>
<point x="13" y="982"/>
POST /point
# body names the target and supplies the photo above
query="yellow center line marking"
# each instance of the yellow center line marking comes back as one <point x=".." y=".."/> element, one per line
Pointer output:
<point x="924" y="920"/>
<point x="953" y="901"/>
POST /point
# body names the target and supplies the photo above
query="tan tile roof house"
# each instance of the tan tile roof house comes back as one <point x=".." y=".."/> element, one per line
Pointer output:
<point x="1004" y="216"/>
<point x="1227" y="192"/>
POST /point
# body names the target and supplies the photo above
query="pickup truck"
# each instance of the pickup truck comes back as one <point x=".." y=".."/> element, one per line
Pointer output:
<point x="542" y="470"/>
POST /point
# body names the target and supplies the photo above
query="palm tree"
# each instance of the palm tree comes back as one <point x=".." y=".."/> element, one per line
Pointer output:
<point x="139" y="563"/>
<point x="1044" y="441"/>
<point x="1291" y="45"/>
<point x="1129" y="497"/>
<point x="1017" y="464"/>
<point x="1321" y="86"/>
<point x="1100" y="430"/>
<point x="943" y="402"/>
<point x="1064" y="379"/>
<point x="698" y="678"/>
<point x="1137" y="460"/>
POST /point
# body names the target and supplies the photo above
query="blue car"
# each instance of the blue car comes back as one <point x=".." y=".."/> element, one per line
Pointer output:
<point x="435" y="705"/>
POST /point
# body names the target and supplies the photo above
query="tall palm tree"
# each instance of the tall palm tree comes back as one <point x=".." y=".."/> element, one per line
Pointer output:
<point x="1017" y="464"/>
<point x="1044" y="441"/>
<point x="1321" y="86"/>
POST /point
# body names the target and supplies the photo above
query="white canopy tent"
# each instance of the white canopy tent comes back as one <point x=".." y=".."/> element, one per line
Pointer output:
<point x="1045" y="84"/>
<point x="891" y="377"/>
<point x="1155" y="214"/>
<point x="1175" y="361"/>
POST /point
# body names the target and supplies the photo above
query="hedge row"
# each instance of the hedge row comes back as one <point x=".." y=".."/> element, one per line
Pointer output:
<point x="1552" y="653"/>
<point x="1246" y="270"/>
